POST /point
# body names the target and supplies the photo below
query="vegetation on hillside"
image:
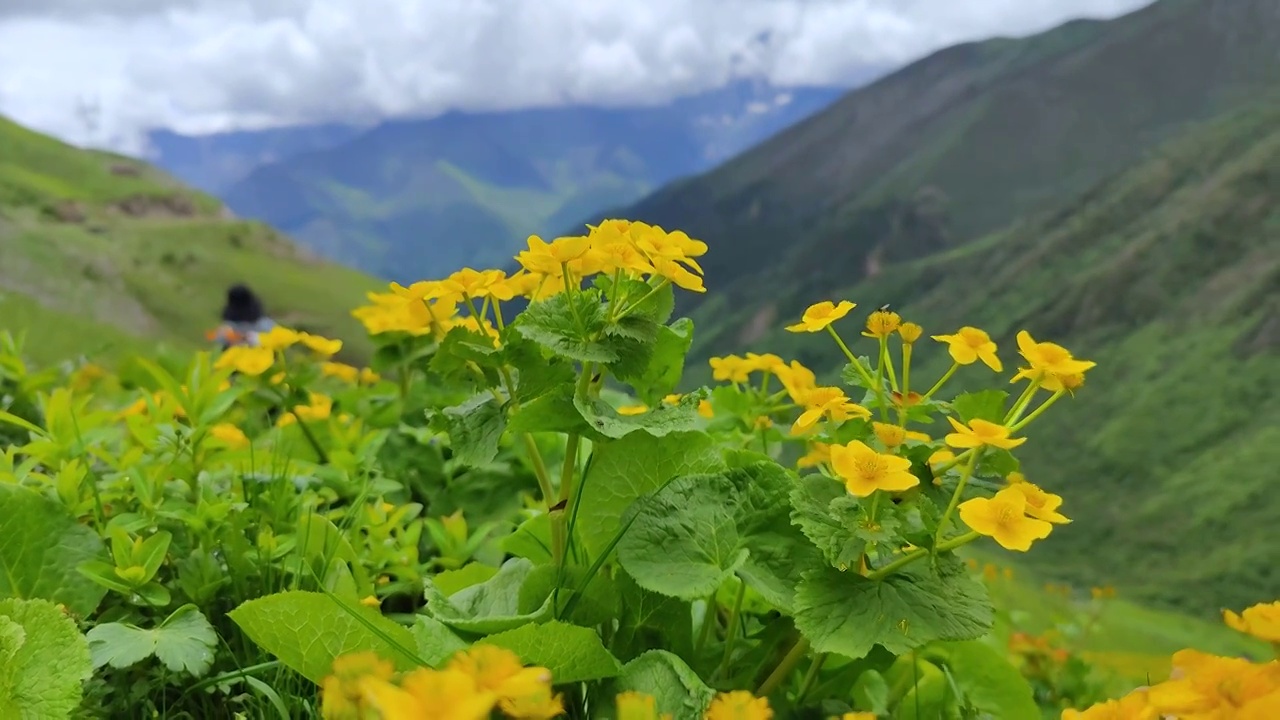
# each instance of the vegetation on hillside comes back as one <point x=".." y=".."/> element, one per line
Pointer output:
<point x="1169" y="274"/>
<point x="101" y="253"/>
<point x="515" y="515"/>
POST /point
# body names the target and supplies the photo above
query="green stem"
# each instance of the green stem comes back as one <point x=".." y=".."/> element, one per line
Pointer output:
<point x="955" y="496"/>
<point x="1037" y="412"/>
<point x="558" y="519"/>
<point x="887" y="362"/>
<point x="945" y="377"/>
<point x="866" y="377"/>
<point x="731" y="635"/>
<point x="914" y="555"/>
<point x="810" y="678"/>
<point x="784" y="668"/>
<point x="1021" y="404"/>
<point x="656" y="289"/>
<point x="708" y="619"/>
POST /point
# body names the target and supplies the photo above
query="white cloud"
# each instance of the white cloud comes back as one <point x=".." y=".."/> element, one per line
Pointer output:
<point x="206" y="65"/>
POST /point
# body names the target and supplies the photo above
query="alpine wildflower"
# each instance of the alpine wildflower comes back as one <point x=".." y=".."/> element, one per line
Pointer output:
<point x="864" y="470"/>
<point x="738" y="705"/>
<point x="1004" y="519"/>
<point x="969" y="345"/>
<point x="820" y="315"/>
<point x="979" y="433"/>
<point x="1261" y="621"/>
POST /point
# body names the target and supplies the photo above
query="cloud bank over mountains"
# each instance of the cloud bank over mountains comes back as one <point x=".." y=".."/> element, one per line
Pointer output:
<point x="105" y="71"/>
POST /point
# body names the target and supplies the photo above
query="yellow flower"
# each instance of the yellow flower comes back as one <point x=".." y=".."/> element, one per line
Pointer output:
<point x="229" y="435"/>
<point x="371" y="601"/>
<point x="797" y="379"/>
<point x="981" y="432"/>
<point x="323" y="347"/>
<point x="498" y="670"/>
<point x="671" y="399"/>
<point x="829" y="402"/>
<point x="818" y="453"/>
<point x="448" y="694"/>
<point x="864" y="470"/>
<point x="705" y="409"/>
<point x="910" y="332"/>
<point x="252" y="361"/>
<point x="469" y="283"/>
<point x="1133" y="706"/>
<point x="1051" y="365"/>
<point x="858" y="716"/>
<point x="1040" y="504"/>
<point x="342" y="371"/>
<point x="730" y="368"/>
<point x="368" y="376"/>
<point x="277" y="338"/>
<point x="969" y="345"/>
<point x="539" y="704"/>
<point x="891" y="435"/>
<point x="1004" y="519"/>
<point x="319" y="408"/>
<point x="1261" y="621"/>
<point x="1209" y="686"/>
<point x="550" y="258"/>
<point x="632" y="705"/>
<point x="738" y="705"/>
<point x="820" y="315"/>
<point x="633" y="409"/>
<point x="882" y="324"/>
<point x="340" y="692"/>
<point x="941" y="456"/>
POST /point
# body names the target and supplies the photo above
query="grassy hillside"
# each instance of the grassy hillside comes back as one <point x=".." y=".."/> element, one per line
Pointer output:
<point x="100" y="253"/>
<point x="958" y="144"/>
<point x="1168" y="275"/>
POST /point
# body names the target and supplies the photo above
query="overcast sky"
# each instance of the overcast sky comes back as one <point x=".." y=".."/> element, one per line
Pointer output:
<point x="207" y="65"/>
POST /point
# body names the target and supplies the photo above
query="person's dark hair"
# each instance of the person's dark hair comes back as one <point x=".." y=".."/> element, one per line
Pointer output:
<point x="242" y="306"/>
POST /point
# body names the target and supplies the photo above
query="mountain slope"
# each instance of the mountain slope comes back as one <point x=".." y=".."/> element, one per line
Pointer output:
<point x="101" y="253"/>
<point x="959" y="143"/>
<point x="414" y="199"/>
<point x="1167" y="275"/>
<point x="217" y="161"/>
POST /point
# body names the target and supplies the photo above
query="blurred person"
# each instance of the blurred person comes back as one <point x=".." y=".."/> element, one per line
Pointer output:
<point x="243" y="319"/>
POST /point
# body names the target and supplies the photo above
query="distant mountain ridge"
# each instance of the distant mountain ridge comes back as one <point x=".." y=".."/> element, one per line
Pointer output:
<point x="416" y="198"/>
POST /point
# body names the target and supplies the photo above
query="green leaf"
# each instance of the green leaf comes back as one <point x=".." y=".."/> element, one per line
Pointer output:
<point x="184" y="642"/>
<point x="696" y="532"/>
<point x="827" y="515"/>
<point x="307" y="630"/>
<point x="475" y="428"/>
<point x="41" y="545"/>
<point x="44" y="661"/>
<point x="848" y="614"/>
<point x="320" y="542"/>
<point x="626" y="469"/>
<point x="490" y="607"/>
<point x="662" y="373"/>
<point x="460" y="347"/>
<point x="474" y="573"/>
<point x="650" y="621"/>
<point x="984" y="677"/>
<point x="983" y="405"/>
<point x="675" y="687"/>
<point x="151" y="552"/>
<point x="599" y="602"/>
<point x="436" y="643"/>
<point x="532" y="540"/>
<point x="569" y="325"/>
<point x="659" y="421"/>
<point x="570" y="652"/>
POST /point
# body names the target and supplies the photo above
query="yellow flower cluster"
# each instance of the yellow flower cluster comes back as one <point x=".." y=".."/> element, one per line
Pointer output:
<point x="616" y="248"/>
<point x="1017" y="515"/>
<point x="254" y="361"/>
<point x="471" y="686"/>
<point x="1207" y="687"/>
<point x="477" y="681"/>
